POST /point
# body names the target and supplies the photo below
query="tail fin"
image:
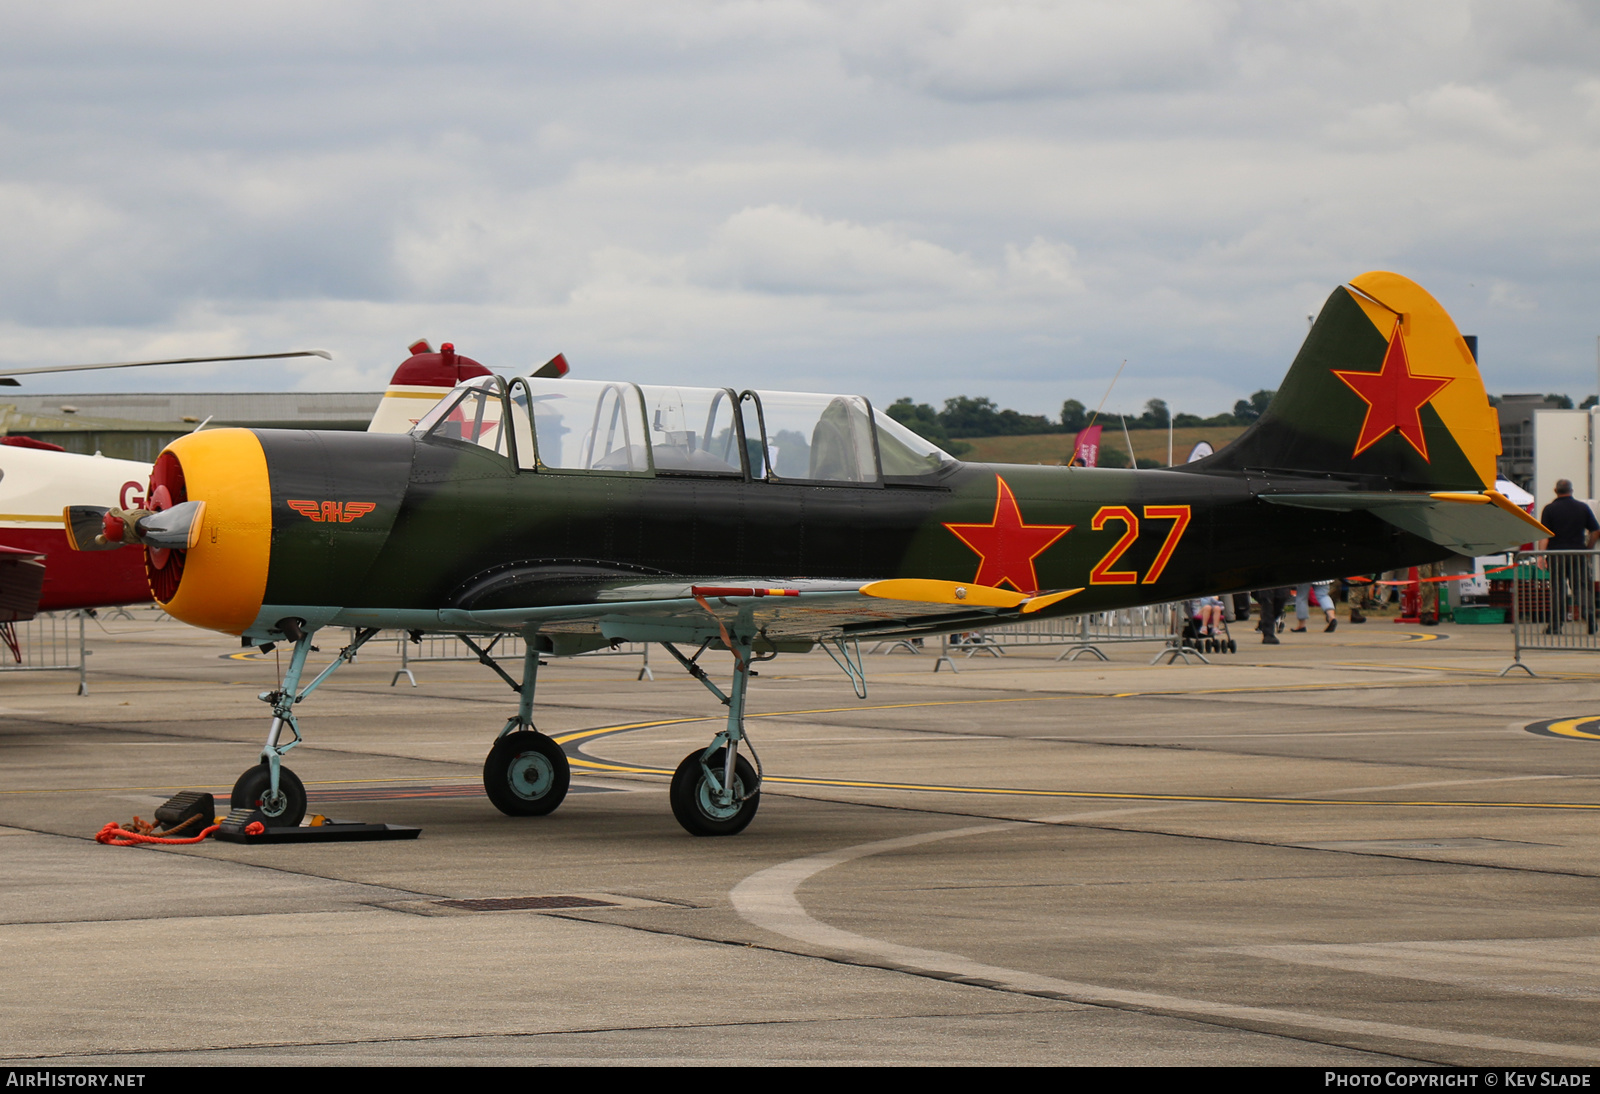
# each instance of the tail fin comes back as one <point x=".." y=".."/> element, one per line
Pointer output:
<point x="1383" y="388"/>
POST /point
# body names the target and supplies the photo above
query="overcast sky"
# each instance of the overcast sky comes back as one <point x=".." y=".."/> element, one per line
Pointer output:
<point x="893" y="198"/>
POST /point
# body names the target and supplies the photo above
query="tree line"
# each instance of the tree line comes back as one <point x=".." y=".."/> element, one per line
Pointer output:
<point x="964" y="416"/>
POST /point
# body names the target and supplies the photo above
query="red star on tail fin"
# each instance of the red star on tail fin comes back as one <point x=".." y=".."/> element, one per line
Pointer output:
<point x="1394" y="398"/>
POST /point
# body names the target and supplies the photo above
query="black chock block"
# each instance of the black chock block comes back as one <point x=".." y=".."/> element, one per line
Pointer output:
<point x="234" y="825"/>
<point x="237" y="819"/>
<point x="190" y="803"/>
<point x="335" y="832"/>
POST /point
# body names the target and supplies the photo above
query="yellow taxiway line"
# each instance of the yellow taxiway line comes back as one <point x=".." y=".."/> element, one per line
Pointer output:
<point x="584" y="762"/>
<point x="1567" y="728"/>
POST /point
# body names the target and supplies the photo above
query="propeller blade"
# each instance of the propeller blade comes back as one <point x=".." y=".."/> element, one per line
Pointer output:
<point x="6" y="374"/>
<point x="84" y="522"/>
<point x="175" y="529"/>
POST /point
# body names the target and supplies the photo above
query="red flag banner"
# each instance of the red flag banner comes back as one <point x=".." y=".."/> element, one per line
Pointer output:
<point x="1086" y="449"/>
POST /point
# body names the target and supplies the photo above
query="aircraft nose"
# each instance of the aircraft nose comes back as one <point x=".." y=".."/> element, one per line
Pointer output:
<point x="217" y="583"/>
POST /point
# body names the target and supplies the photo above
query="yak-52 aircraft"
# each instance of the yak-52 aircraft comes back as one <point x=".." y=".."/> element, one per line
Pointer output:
<point x="579" y="514"/>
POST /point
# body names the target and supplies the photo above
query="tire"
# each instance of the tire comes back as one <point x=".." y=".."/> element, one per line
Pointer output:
<point x="692" y="801"/>
<point x="252" y="787"/>
<point x="526" y="774"/>
<point x="1233" y="646"/>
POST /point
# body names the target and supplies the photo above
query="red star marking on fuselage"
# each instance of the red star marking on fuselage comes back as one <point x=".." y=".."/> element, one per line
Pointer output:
<point x="1006" y="546"/>
<point x="1394" y="398"/>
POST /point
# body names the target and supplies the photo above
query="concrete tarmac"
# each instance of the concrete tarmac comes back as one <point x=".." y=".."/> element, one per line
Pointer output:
<point x="1347" y="849"/>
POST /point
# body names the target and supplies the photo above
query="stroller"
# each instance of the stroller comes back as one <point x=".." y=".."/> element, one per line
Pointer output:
<point x="1219" y="641"/>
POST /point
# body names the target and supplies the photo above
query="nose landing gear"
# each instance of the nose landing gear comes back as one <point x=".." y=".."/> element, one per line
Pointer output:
<point x="284" y="807"/>
<point x="270" y="787"/>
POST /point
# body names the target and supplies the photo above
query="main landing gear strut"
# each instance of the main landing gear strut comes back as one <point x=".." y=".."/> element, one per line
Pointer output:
<point x="526" y="773"/>
<point x="715" y="791"/>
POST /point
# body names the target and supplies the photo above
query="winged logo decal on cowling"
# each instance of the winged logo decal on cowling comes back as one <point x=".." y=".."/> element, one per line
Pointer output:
<point x="332" y="512"/>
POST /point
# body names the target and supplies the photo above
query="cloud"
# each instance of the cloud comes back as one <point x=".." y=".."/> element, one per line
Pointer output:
<point x="780" y="250"/>
<point x="1504" y="294"/>
<point x="1450" y="112"/>
<point x="915" y="198"/>
<point x="1028" y="48"/>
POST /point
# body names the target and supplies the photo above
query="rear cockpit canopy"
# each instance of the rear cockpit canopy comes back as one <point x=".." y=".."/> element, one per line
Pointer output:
<point x="623" y="428"/>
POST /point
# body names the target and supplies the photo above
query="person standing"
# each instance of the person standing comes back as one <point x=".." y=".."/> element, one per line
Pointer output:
<point x="1272" y="602"/>
<point x="1573" y="527"/>
<point x="1302" y="606"/>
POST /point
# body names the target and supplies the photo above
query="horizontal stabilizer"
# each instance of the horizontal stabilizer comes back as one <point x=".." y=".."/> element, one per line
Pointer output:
<point x="1467" y="523"/>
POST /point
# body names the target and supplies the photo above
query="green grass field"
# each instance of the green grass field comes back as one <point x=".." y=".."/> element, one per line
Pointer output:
<point x="1148" y="444"/>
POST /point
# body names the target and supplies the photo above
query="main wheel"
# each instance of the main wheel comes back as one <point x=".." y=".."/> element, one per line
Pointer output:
<point x="526" y="774"/>
<point x="695" y="805"/>
<point x="253" y="789"/>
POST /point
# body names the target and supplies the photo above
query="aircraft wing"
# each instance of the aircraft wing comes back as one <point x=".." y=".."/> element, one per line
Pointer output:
<point x="1467" y="523"/>
<point x="789" y="613"/>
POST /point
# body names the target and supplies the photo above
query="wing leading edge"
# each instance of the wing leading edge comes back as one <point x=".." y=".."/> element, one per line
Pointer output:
<point x="790" y="614"/>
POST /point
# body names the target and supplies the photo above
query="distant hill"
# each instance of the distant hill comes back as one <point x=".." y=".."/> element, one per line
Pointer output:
<point x="1148" y="444"/>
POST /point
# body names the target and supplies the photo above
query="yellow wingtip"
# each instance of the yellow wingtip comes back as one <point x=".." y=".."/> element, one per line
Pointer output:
<point x="960" y="594"/>
<point x="1037" y="603"/>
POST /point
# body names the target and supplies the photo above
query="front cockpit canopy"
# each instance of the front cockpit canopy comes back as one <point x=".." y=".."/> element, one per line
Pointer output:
<point x="623" y="428"/>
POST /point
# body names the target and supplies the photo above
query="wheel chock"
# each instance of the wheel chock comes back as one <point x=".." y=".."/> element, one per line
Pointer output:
<point x="178" y="811"/>
<point x="235" y="830"/>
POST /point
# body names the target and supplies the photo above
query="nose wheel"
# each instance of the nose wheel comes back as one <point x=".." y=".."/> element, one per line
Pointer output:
<point x="285" y="809"/>
<point x="526" y="774"/>
<point x="698" y="803"/>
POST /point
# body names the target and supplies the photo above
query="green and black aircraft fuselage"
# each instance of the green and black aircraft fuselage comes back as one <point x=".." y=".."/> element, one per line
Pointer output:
<point x="497" y="513"/>
<point x="459" y="527"/>
<point x="578" y="514"/>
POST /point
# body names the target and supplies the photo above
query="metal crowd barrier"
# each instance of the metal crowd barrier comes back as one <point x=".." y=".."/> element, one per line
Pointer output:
<point x="52" y="642"/>
<point x="1081" y="634"/>
<point x="449" y="647"/>
<point x="1552" y="602"/>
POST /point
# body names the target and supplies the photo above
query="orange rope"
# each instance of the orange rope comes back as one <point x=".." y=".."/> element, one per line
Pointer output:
<point x="117" y="836"/>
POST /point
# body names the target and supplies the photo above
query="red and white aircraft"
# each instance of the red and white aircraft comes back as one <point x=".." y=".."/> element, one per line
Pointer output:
<point x="38" y="480"/>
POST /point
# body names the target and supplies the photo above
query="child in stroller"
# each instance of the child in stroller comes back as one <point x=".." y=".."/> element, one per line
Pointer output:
<point x="1206" y="626"/>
